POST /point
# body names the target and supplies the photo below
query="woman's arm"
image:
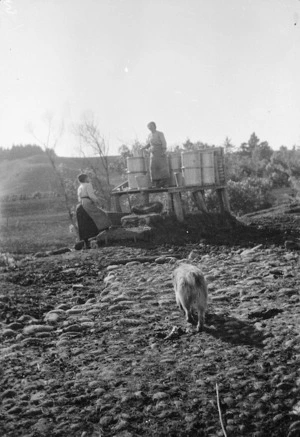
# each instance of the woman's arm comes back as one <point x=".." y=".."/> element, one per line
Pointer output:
<point x="148" y="144"/>
<point x="78" y="193"/>
<point x="90" y="192"/>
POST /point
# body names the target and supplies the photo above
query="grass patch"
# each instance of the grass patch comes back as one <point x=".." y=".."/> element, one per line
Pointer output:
<point x="23" y="234"/>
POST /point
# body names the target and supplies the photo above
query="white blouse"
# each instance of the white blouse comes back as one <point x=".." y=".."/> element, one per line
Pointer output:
<point x="85" y="189"/>
<point x="157" y="140"/>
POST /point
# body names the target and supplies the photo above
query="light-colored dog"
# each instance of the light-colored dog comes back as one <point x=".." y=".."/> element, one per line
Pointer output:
<point x="190" y="292"/>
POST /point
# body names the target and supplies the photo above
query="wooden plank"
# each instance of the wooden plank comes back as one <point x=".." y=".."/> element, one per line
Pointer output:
<point x="121" y="186"/>
<point x="167" y="190"/>
<point x="170" y="203"/>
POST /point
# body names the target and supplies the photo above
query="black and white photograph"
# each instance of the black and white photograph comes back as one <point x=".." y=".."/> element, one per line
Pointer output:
<point x="150" y="218"/>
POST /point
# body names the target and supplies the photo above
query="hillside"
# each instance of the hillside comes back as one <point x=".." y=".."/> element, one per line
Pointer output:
<point x="28" y="175"/>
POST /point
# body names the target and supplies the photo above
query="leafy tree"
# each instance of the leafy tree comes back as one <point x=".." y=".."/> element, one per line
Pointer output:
<point x="228" y="146"/>
<point x="263" y="150"/>
<point x="253" y="141"/>
<point x="20" y="151"/>
<point x="260" y="158"/>
<point x="121" y="164"/>
<point x="279" y="169"/>
<point x="124" y="151"/>
<point x="248" y="148"/>
<point x="189" y="145"/>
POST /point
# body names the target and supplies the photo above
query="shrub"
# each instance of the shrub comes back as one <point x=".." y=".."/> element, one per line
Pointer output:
<point x="248" y="195"/>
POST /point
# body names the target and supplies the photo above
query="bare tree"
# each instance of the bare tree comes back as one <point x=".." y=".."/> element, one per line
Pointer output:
<point x="53" y="136"/>
<point x="90" y="137"/>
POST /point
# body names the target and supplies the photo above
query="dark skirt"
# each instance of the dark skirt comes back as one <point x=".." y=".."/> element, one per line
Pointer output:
<point x="86" y="225"/>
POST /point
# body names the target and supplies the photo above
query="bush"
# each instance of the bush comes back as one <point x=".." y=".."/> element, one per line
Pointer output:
<point x="249" y="195"/>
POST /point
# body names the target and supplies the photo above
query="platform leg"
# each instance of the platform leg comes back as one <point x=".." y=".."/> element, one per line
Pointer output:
<point x="198" y="198"/>
<point x="178" y="207"/>
<point x="223" y="200"/>
<point x="226" y="200"/>
<point x="170" y="203"/>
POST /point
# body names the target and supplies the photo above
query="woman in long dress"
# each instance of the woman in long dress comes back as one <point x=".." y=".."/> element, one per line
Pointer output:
<point x="91" y="219"/>
<point x="159" y="167"/>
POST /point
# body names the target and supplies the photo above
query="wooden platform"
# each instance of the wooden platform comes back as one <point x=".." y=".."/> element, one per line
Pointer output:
<point x="174" y="193"/>
<point x="174" y="197"/>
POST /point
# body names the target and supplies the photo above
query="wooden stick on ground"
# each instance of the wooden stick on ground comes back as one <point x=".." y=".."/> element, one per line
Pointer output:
<point x="219" y="409"/>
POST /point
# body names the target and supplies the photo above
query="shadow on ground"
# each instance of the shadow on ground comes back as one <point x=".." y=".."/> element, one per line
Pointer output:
<point x="233" y="330"/>
<point x="222" y="327"/>
<point x="216" y="229"/>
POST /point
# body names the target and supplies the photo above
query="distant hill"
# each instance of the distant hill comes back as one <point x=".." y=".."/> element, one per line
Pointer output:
<point x="34" y="173"/>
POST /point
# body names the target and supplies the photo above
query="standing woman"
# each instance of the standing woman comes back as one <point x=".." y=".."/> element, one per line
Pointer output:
<point x="91" y="218"/>
<point x="159" y="168"/>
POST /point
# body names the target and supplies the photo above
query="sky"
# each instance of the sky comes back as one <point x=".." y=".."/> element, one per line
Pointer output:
<point x="201" y="69"/>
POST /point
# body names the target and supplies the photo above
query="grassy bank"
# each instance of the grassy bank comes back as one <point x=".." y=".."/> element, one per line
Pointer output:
<point x="33" y="225"/>
<point x="33" y="233"/>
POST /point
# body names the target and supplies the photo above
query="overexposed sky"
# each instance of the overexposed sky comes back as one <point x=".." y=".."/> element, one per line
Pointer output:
<point x="203" y="69"/>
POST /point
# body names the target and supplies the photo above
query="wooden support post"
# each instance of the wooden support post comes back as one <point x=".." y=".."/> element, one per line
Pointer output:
<point x="219" y="194"/>
<point x="223" y="200"/>
<point x="116" y="204"/>
<point x="170" y="203"/>
<point x="178" y="207"/>
<point x="145" y="197"/>
<point x="224" y="194"/>
<point x="198" y="198"/>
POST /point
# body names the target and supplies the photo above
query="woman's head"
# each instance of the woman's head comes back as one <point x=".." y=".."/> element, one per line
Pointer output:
<point x="151" y="126"/>
<point x="83" y="178"/>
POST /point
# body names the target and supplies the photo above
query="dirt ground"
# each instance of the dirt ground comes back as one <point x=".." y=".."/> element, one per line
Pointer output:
<point x="93" y="344"/>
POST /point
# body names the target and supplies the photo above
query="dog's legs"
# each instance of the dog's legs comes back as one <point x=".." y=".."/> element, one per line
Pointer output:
<point x="188" y="316"/>
<point x="180" y="305"/>
<point x="201" y="319"/>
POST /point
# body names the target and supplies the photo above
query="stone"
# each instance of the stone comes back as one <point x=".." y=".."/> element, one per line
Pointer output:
<point x="8" y="333"/>
<point x="33" y="329"/>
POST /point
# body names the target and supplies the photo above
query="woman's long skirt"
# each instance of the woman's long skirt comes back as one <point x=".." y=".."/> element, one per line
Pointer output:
<point x="91" y="219"/>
